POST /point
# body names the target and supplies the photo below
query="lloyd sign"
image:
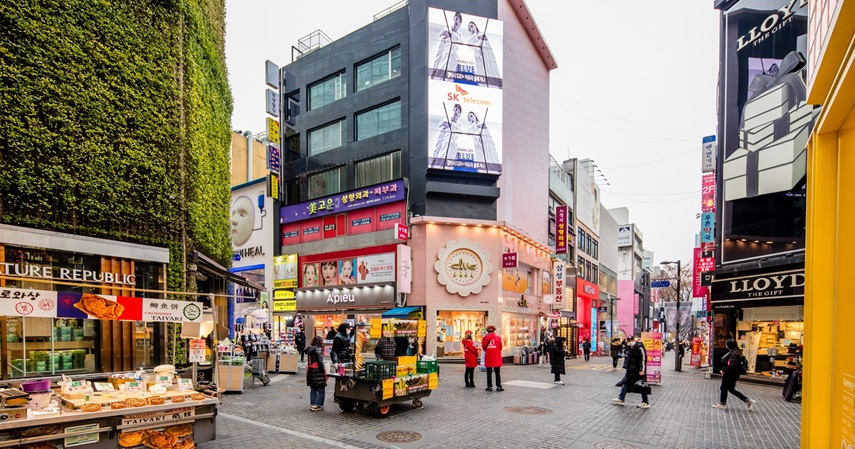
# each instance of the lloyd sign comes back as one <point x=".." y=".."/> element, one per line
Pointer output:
<point x="786" y="284"/>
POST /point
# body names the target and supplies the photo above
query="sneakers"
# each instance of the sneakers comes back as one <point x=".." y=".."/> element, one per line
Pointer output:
<point x="488" y="389"/>
<point x="724" y="407"/>
<point x="749" y="403"/>
<point x="618" y="402"/>
<point x="558" y="382"/>
<point x="315" y="408"/>
<point x="500" y="389"/>
<point x="643" y="405"/>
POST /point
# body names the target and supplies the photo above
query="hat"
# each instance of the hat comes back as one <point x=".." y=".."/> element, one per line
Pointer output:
<point x="491" y="328"/>
<point x="630" y="337"/>
<point x="468" y="332"/>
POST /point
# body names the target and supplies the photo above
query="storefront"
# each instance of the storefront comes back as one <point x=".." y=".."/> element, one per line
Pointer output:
<point x="587" y="303"/>
<point x="764" y="313"/>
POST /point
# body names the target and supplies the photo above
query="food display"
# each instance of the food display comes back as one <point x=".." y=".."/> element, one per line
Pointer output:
<point x="90" y="407"/>
<point x="131" y="439"/>
<point x="197" y="396"/>
<point x="178" y="399"/>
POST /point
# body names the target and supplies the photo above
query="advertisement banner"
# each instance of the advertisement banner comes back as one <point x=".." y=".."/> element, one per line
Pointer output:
<point x="653" y="345"/>
<point x="708" y="192"/>
<point x="251" y="225"/>
<point x="560" y="229"/>
<point x="164" y="310"/>
<point x="708" y="152"/>
<point x="21" y="302"/>
<point x="515" y="280"/>
<point x="697" y="347"/>
<point x="376" y="268"/>
<point x="465" y="56"/>
<point x="587" y="199"/>
<point x="624" y="236"/>
<point x="700" y="265"/>
<point x="587" y="289"/>
<point x="385" y="193"/>
<point x="272" y="131"/>
<point x="100" y="307"/>
<point x="405" y="269"/>
<point x="285" y="271"/>
<point x="559" y="272"/>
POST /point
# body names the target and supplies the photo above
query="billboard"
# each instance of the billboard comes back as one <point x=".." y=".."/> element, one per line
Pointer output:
<point x="624" y="236"/>
<point x="251" y="224"/>
<point x="587" y="200"/>
<point x="465" y="55"/>
<point x="349" y="270"/>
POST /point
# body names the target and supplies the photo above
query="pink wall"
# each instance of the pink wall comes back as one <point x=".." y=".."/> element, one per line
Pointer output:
<point x="525" y="135"/>
<point x="625" y="315"/>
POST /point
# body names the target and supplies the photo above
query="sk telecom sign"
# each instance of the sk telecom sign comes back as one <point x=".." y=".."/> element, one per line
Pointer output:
<point x="561" y="230"/>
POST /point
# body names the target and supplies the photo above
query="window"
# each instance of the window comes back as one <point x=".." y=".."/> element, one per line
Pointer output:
<point x="378" y="120"/>
<point x="581" y="240"/>
<point x="595" y="250"/>
<point x="381" y="68"/>
<point x="378" y="169"/>
<point x="581" y="267"/>
<point x="327" y="182"/>
<point x="292" y="143"/>
<point x="327" y="91"/>
<point x="588" y="271"/>
<point x="595" y="274"/>
<point x="326" y="138"/>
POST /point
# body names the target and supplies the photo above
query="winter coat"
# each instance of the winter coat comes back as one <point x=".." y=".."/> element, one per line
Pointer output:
<point x="300" y="341"/>
<point x="401" y="346"/>
<point x="556" y="359"/>
<point x="616" y="349"/>
<point x="470" y="353"/>
<point x="385" y="349"/>
<point x="341" y="351"/>
<point x="492" y="346"/>
<point x="635" y="363"/>
<point x="730" y="364"/>
<point x="316" y="375"/>
<point x="586" y="346"/>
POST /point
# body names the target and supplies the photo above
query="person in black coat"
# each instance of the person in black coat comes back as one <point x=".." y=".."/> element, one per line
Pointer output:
<point x="556" y="357"/>
<point x="341" y="351"/>
<point x="300" y="342"/>
<point x="316" y="375"/>
<point x="586" y="348"/>
<point x="635" y="365"/>
<point x="730" y="373"/>
<point x="616" y="351"/>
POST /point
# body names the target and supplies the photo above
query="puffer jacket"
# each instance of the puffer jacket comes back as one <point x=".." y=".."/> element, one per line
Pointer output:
<point x="316" y="375"/>
<point x="616" y="349"/>
<point x="470" y="353"/>
<point x="636" y="362"/>
<point x="556" y="358"/>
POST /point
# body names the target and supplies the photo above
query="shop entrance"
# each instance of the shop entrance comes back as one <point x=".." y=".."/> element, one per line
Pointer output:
<point x="452" y="325"/>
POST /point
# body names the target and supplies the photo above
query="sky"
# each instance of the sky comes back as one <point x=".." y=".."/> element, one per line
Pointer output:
<point x="634" y="91"/>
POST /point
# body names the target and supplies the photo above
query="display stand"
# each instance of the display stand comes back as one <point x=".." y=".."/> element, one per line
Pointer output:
<point x="230" y="369"/>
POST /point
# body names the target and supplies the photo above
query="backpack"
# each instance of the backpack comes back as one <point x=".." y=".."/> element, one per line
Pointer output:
<point x="742" y="368"/>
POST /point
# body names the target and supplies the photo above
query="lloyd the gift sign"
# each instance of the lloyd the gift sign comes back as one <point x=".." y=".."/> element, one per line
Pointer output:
<point x="785" y="284"/>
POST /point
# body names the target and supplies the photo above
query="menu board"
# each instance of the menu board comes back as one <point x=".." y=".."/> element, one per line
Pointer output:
<point x="653" y="345"/>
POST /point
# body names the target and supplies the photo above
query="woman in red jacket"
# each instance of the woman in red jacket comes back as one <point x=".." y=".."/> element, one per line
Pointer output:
<point x="470" y="358"/>
<point x="492" y="345"/>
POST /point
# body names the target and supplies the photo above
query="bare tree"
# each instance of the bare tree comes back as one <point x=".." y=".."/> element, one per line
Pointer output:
<point x="669" y="272"/>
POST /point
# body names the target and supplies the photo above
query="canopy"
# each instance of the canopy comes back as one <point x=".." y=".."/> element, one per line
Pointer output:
<point x="399" y="312"/>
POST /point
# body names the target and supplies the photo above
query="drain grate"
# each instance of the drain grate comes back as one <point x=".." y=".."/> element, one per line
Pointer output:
<point x="528" y="410"/>
<point x="399" y="436"/>
<point x="611" y="445"/>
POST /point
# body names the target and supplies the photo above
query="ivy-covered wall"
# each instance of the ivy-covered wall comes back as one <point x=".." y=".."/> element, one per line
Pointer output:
<point x="115" y="123"/>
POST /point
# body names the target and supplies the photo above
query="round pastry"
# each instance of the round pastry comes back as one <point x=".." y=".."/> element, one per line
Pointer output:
<point x="156" y="401"/>
<point x="130" y="439"/>
<point x="178" y="399"/>
<point x="89" y="407"/>
<point x="160" y="441"/>
<point x="118" y="405"/>
<point x="197" y="396"/>
<point x="186" y="444"/>
<point x="135" y="402"/>
<point x="181" y="430"/>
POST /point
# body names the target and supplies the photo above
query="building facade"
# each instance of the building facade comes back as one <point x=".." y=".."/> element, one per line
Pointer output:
<point x="633" y="281"/>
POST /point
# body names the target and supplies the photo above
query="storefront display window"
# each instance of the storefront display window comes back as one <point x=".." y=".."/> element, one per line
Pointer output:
<point x="517" y="330"/>
<point x="322" y="324"/>
<point x="49" y="346"/>
<point x="452" y="325"/>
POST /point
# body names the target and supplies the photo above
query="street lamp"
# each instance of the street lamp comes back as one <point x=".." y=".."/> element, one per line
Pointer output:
<point x="677" y="358"/>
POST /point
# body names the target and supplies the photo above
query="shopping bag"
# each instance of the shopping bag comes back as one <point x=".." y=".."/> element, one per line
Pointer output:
<point x="641" y="387"/>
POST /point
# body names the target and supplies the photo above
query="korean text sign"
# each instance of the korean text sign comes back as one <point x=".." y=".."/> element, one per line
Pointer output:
<point x="561" y="229"/>
<point x="385" y="193"/>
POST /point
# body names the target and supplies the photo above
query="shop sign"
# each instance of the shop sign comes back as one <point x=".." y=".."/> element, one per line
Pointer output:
<point x="587" y="289"/>
<point x="771" y="24"/>
<point x="375" y="195"/>
<point x="157" y="417"/>
<point x="786" y="284"/>
<point x="376" y="268"/>
<point x="285" y="305"/>
<point x="271" y="102"/>
<point x="559" y="271"/>
<point x="283" y="294"/>
<point x="561" y="230"/>
<point x="707" y="227"/>
<point x="701" y="264"/>
<point x="162" y="310"/>
<point x="346" y="298"/>
<point x="624" y="236"/>
<point x="64" y="274"/>
<point x="32" y="303"/>
<point x="273" y="186"/>
<point x="509" y="260"/>
<point x="272" y="130"/>
<point x="405" y="269"/>
<point x="463" y="267"/>
<point x="708" y="152"/>
<point x="271" y="74"/>
<point x="402" y="232"/>
<point x="708" y="192"/>
<point x="285" y="271"/>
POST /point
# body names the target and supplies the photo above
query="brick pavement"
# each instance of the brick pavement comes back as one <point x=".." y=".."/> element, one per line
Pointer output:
<point x="681" y="415"/>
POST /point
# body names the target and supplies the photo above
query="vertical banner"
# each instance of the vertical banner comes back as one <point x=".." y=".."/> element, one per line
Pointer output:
<point x="707" y="227"/>
<point x="697" y="290"/>
<point x="561" y="230"/>
<point x="708" y="192"/>
<point x="558" y="274"/>
<point x="708" y="152"/>
<point x="272" y="131"/>
<point x="697" y="347"/>
<point x="653" y="345"/>
<point x="405" y="269"/>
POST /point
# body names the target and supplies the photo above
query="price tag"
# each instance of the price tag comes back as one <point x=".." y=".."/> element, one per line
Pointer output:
<point x="433" y="381"/>
<point x="185" y="385"/>
<point x="376" y="328"/>
<point x="164" y="381"/>
<point x="133" y="387"/>
<point x="422" y="328"/>
<point x="104" y="386"/>
<point x="388" y="388"/>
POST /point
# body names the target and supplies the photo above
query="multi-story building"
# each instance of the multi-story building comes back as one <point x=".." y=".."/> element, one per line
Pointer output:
<point x="401" y="123"/>
<point x="607" y="311"/>
<point x="633" y="281"/>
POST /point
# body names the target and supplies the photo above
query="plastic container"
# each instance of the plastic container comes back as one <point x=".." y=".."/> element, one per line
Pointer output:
<point x="31" y="386"/>
<point x="39" y="400"/>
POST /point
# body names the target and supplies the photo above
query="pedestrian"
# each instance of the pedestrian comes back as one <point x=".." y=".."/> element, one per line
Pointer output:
<point x="636" y="360"/>
<point x="470" y="359"/>
<point x="545" y="347"/>
<point x="300" y="341"/>
<point x="616" y="350"/>
<point x="385" y="349"/>
<point x="316" y="375"/>
<point x="331" y="333"/>
<point x="492" y="346"/>
<point x="341" y="351"/>
<point x="731" y="369"/>
<point x="557" y="357"/>
<point x="586" y="348"/>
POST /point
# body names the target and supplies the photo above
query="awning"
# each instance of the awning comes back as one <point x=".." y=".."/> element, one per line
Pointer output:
<point x="215" y="268"/>
<point x="399" y="312"/>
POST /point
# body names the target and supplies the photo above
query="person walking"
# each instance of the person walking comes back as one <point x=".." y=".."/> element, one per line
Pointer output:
<point x="615" y="350"/>
<point x="556" y="357"/>
<point x="300" y="342"/>
<point x="492" y="346"/>
<point x="731" y="369"/>
<point x="470" y="359"/>
<point x="316" y="376"/>
<point x="635" y="363"/>
<point x="586" y="348"/>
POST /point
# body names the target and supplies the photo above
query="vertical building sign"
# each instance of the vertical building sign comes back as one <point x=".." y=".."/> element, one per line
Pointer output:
<point x="708" y="192"/>
<point x="708" y="152"/>
<point x="558" y="274"/>
<point x="561" y="230"/>
<point x="465" y="57"/>
<point x="405" y="269"/>
<point x="707" y="227"/>
<point x="700" y="264"/>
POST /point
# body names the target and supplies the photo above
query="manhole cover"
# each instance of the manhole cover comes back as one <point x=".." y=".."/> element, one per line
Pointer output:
<point x="528" y="410"/>
<point x="399" y="436"/>
<point x="611" y="445"/>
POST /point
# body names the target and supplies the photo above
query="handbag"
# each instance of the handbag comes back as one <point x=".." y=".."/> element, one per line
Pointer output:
<point x="641" y="387"/>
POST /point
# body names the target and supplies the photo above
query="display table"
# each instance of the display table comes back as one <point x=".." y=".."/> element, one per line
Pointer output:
<point x="282" y="363"/>
<point x="190" y="420"/>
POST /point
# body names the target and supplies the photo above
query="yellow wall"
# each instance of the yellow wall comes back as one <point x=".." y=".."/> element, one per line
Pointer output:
<point x="239" y="156"/>
<point x="828" y="404"/>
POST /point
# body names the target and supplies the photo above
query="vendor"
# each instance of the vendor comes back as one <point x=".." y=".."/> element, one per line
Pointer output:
<point x="385" y="349"/>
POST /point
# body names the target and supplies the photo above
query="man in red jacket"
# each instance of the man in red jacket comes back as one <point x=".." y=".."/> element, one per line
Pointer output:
<point x="492" y="345"/>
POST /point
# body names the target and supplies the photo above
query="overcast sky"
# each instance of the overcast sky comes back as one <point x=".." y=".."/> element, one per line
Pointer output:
<point x="634" y="91"/>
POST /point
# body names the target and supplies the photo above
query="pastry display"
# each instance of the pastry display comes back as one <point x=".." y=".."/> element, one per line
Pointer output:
<point x="39" y="431"/>
<point x="197" y="396"/>
<point x="136" y="402"/>
<point x="118" y="405"/>
<point x="156" y="401"/>
<point x="186" y="444"/>
<point x="91" y="407"/>
<point x="130" y="439"/>
<point x="99" y="307"/>
<point x="160" y="441"/>
<point x="181" y="430"/>
<point x="178" y="399"/>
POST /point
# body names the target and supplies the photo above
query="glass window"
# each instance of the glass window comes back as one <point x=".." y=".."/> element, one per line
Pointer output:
<point x="378" y="169"/>
<point x="588" y="244"/>
<point x="327" y="182"/>
<point x="581" y="241"/>
<point x="327" y="91"/>
<point x="326" y="138"/>
<point x="378" y="120"/>
<point x="292" y="143"/>
<point x="581" y="267"/>
<point x="381" y="68"/>
<point x="596" y="250"/>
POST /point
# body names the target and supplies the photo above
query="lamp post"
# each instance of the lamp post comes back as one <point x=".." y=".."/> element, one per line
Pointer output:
<point x="678" y="359"/>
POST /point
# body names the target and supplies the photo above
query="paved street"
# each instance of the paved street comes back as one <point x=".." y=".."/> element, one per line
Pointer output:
<point x="580" y="414"/>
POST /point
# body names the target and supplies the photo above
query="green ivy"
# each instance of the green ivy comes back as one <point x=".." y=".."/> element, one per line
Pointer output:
<point x="115" y="123"/>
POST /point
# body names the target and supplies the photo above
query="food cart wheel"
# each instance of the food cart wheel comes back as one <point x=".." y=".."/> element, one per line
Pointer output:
<point x="417" y="403"/>
<point x="382" y="410"/>
<point x="346" y="405"/>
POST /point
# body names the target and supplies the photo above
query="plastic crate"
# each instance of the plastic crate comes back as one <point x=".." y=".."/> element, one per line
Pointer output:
<point x="426" y="366"/>
<point x="380" y="370"/>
